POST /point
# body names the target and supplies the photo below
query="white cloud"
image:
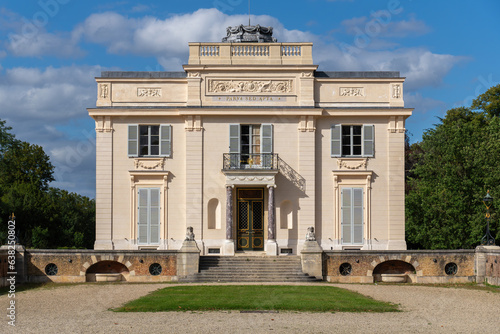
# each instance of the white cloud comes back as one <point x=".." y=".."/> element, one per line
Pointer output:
<point x="168" y="39"/>
<point x="48" y="108"/>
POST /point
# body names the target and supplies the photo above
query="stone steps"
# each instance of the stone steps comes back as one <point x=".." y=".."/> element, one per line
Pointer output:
<point x="250" y="269"/>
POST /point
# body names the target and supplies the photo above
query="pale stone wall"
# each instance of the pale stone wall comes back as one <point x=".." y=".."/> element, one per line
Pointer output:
<point x="275" y="84"/>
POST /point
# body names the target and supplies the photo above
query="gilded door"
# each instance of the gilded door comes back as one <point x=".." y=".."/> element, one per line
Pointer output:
<point x="250" y="235"/>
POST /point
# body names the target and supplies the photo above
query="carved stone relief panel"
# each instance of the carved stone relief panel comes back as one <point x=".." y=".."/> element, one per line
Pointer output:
<point x="268" y="86"/>
<point x="352" y="91"/>
<point x="149" y="163"/>
<point x="148" y="92"/>
<point x="396" y="91"/>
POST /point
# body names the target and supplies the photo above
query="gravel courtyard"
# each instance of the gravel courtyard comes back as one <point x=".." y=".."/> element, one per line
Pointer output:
<point x="84" y="309"/>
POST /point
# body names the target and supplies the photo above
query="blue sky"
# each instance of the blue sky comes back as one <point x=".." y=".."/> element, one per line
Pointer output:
<point x="51" y="50"/>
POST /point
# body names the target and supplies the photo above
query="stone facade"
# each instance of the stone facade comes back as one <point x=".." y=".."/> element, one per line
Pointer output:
<point x="314" y="138"/>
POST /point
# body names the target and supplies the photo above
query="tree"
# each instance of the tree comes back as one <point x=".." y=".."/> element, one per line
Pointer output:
<point x="488" y="102"/>
<point x="46" y="217"/>
<point x="453" y="167"/>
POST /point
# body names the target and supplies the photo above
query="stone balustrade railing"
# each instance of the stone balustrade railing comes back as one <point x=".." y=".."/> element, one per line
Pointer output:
<point x="250" y="54"/>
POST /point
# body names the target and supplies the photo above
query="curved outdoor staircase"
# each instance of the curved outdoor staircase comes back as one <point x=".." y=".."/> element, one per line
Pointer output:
<point x="250" y="269"/>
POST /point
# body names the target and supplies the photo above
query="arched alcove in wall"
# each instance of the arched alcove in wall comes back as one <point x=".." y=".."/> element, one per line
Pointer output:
<point x="394" y="267"/>
<point x="214" y="214"/>
<point x="119" y="270"/>
<point x="286" y="215"/>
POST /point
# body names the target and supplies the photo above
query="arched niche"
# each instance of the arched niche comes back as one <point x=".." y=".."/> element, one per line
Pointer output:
<point x="286" y="215"/>
<point x="107" y="271"/>
<point x="214" y="214"/>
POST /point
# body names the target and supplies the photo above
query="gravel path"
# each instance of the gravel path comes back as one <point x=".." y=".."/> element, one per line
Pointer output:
<point x="84" y="309"/>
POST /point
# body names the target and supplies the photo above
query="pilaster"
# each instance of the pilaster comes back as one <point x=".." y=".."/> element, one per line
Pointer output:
<point x="396" y="185"/>
<point x="104" y="183"/>
<point x="194" y="175"/>
<point x="307" y="169"/>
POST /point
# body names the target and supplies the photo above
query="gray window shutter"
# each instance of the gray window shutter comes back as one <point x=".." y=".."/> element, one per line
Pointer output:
<point x="154" y="209"/>
<point x="346" y="213"/>
<point x="143" y="216"/>
<point x="133" y="140"/>
<point x="357" y="215"/>
<point x="165" y="140"/>
<point x="266" y="145"/>
<point x="234" y="138"/>
<point x="336" y="139"/>
<point x="368" y="140"/>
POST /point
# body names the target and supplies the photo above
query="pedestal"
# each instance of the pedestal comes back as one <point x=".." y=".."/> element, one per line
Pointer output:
<point x="188" y="259"/>
<point x="271" y="248"/>
<point x="312" y="259"/>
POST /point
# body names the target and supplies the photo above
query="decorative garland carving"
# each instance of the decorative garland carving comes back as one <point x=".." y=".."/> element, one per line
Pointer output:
<point x="250" y="86"/>
<point x="149" y="164"/>
<point x="350" y="164"/>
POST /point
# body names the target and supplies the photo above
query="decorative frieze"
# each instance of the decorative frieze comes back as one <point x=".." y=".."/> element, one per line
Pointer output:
<point x="352" y="91"/>
<point x="250" y="86"/>
<point x="148" y="92"/>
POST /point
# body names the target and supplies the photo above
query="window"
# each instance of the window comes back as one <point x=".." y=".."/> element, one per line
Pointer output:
<point x="148" y="216"/>
<point x="149" y="140"/>
<point x="352" y="140"/>
<point x="251" y="145"/>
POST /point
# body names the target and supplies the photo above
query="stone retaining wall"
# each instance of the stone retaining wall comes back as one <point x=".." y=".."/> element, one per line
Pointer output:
<point x="74" y="265"/>
<point x="415" y="266"/>
<point x="444" y="266"/>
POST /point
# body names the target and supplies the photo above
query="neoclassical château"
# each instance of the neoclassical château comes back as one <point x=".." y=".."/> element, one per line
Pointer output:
<point x="250" y="145"/>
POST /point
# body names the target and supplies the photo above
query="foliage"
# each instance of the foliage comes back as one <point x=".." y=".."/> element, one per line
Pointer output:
<point x="251" y="297"/>
<point x="489" y="102"/>
<point x="46" y="217"/>
<point x="450" y="172"/>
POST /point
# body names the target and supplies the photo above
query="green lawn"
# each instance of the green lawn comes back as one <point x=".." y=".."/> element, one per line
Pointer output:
<point x="256" y="297"/>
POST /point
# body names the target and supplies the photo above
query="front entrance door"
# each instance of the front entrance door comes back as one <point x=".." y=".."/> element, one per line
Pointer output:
<point x="250" y="219"/>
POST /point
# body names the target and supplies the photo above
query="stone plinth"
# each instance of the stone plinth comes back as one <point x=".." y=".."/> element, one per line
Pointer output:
<point x="188" y="259"/>
<point x="312" y="259"/>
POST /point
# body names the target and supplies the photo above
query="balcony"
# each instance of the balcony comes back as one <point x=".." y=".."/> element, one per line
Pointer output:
<point x="237" y="161"/>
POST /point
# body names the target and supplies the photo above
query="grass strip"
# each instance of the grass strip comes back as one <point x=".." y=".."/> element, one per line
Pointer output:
<point x="256" y="297"/>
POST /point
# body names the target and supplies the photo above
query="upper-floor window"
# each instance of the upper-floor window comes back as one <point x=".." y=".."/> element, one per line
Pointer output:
<point x="251" y="144"/>
<point x="149" y="140"/>
<point x="352" y="140"/>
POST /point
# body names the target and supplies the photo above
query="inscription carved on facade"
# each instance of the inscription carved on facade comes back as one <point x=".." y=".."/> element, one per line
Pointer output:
<point x="352" y="91"/>
<point x="149" y="92"/>
<point x="396" y="91"/>
<point x="250" y="86"/>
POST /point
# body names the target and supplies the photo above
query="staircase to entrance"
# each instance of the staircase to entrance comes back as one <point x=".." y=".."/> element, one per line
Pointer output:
<point x="250" y="269"/>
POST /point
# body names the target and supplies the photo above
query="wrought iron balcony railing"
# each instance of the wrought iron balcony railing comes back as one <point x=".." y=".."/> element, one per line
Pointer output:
<point x="250" y="161"/>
